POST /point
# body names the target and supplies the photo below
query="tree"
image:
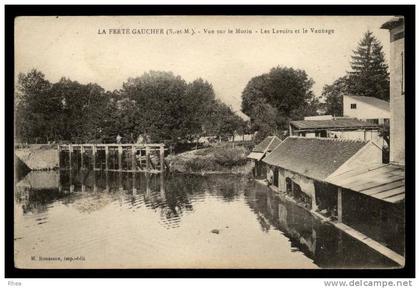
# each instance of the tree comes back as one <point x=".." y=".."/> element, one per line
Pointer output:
<point x="36" y="108"/>
<point x="369" y="75"/>
<point x="201" y="98"/>
<point x="333" y="95"/>
<point x="271" y="100"/>
<point x="83" y="109"/>
<point x="158" y="105"/>
<point x="221" y="121"/>
<point x="162" y="105"/>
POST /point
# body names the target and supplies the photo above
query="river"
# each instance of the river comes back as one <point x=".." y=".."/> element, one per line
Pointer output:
<point x="87" y="219"/>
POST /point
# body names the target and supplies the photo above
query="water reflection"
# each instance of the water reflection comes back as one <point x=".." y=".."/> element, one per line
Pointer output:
<point x="88" y="191"/>
<point x="322" y="242"/>
<point x="138" y="219"/>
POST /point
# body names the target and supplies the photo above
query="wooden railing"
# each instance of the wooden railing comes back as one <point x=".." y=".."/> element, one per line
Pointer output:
<point x="133" y="150"/>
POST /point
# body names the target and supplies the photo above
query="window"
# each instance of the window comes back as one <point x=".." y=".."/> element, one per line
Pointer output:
<point x="353" y="106"/>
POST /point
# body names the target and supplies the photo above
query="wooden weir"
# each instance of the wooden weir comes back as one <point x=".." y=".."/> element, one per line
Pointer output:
<point x="140" y="156"/>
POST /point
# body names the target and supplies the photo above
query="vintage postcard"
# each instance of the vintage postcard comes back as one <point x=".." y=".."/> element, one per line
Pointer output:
<point x="228" y="142"/>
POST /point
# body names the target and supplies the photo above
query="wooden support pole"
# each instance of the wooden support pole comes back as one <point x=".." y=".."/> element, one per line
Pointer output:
<point x="340" y="205"/>
<point x="58" y="152"/>
<point x="162" y="185"/>
<point x="120" y="157"/>
<point x="147" y="184"/>
<point x="134" y="183"/>
<point x="313" y="204"/>
<point x="94" y="157"/>
<point x="147" y="158"/>
<point x="60" y="187"/>
<point x="133" y="158"/>
<point x="120" y="186"/>
<point x="82" y="151"/>
<point x="293" y="188"/>
<point x="71" y="181"/>
<point x="106" y="157"/>
<point x="95" y="188"/>
<point x="162" y="158"/>
<point x="70" y="152"/>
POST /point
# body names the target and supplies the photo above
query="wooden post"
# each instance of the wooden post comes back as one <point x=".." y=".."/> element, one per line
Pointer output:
<point x="94" y="157"/>
<point x="147" y="184"/>
<point x="293" y="187"/>
<point x="60" y="187"/>
<point x="82" y="151"/>
<point x="106" y="181"/>
<point x="162" y="186"/>
<point x="95" y="188"/>
<point x="71" y="181"/>
<point x="120" y="157"/>
<point x="147" y="157"/>
<point x="120" y="186"/>
<point x="70" y="151"/>
<point x="106" y="157"/>
<point x="58" y="152"/>
<point x="340" y="205"/>
<point x="133" y="158"/>
<point x="134" y="184"/>
<point x="162" y="158"/>
<point x="314" y="207"/>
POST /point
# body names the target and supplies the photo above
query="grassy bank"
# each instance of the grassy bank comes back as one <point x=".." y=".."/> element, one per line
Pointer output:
<point x="38" y="156"/>
<point x="215" y="159"/>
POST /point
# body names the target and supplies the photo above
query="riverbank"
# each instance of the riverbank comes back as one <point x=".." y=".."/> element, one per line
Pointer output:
<point x="223" y="159"/>
<point x="38" y="156"/>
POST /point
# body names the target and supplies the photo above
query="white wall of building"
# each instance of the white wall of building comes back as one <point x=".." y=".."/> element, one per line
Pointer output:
<point x="397" y="93"/>
<point x="363" y="110"/>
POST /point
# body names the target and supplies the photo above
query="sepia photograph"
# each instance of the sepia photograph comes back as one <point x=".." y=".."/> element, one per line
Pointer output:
<point x="209" y="142"/>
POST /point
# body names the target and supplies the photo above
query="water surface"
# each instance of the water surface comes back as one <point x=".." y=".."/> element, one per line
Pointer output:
<point x="135" y="220"/>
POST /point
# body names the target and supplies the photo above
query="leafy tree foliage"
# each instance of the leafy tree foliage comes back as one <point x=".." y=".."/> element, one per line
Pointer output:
<point x="36" y="111"/>
<point x="222" y="121"/>
<point x="158" y="105"/>
<point x="273" y="99"/>
<point x="333" y="95"/>
<point x="369" y="76"/>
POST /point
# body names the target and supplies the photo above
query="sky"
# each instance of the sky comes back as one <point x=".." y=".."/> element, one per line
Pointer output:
<point x="109" y="49"/>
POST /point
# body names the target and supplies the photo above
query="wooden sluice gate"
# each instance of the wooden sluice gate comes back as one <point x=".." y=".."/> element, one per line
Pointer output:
<point x="113" y="157"/>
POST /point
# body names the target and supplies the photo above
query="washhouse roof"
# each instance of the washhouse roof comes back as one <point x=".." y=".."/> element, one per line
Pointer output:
<point x="268" y="144"/>
<point x="385" y="182"/>
<point x="341" y="123"/>
<point x="315" y="158"/>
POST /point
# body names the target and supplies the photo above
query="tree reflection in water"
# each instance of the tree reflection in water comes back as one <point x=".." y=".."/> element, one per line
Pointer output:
<point x="89" y="191"/>
<point x="174" y="196"/>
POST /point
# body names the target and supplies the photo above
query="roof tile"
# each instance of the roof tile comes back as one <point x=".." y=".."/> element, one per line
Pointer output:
<point x="313" y="157"/>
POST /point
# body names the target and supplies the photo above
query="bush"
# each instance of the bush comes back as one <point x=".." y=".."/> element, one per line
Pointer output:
<point x="229" y="157"/>
<point x="200" y="164"/>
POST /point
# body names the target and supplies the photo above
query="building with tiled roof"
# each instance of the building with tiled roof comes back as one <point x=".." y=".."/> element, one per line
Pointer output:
<point x="318" y="158"/>
<point x="342" y="127"/>
<point x="260" y="151"/>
